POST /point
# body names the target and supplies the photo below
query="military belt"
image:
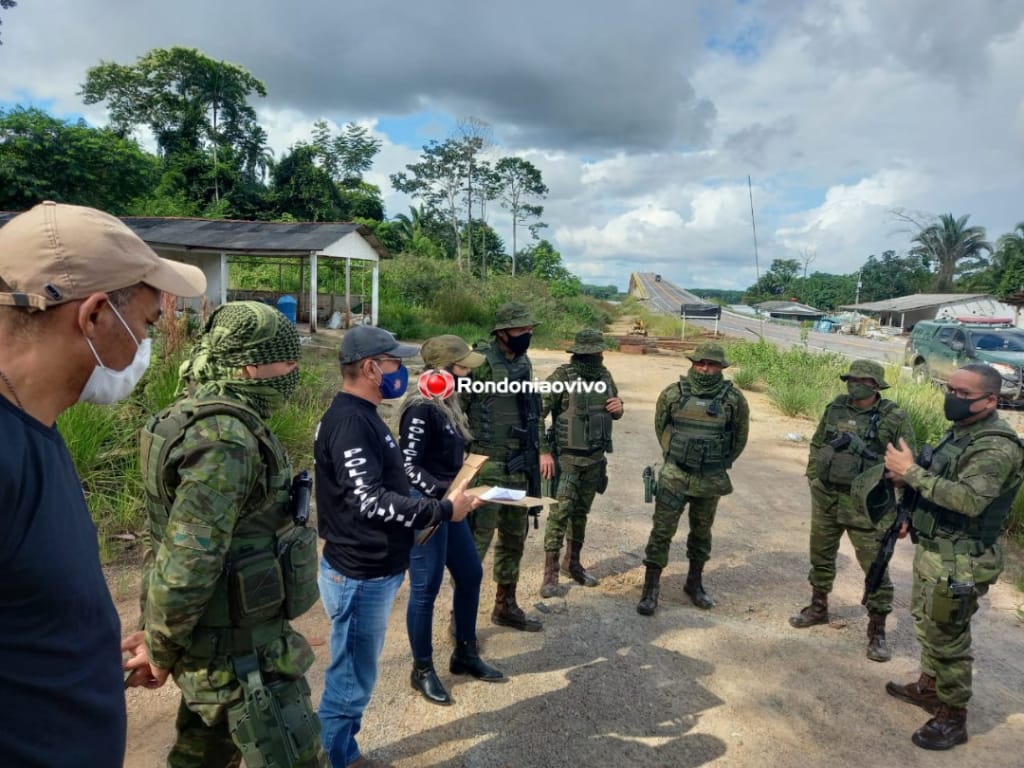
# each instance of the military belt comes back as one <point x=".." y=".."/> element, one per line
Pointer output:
<point x="568" y="452"/>
<point x="210" y="642"/>
<point x="944" y="546"/>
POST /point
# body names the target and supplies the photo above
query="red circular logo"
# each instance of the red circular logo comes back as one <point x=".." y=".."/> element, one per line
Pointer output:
<point x="436" y="384"/>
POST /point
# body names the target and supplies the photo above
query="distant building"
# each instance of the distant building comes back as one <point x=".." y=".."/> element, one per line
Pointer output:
<point x="904" y="312"/>
<point x="792" y="311"/>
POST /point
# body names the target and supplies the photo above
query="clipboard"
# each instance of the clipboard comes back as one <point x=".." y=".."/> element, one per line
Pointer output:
<point x="470" y="467"/>
<point x="526" y="501"/>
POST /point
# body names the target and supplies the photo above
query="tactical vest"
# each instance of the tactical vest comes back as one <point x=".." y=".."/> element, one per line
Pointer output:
<point x="701" y="430"/>
<point x="585" y="427"/>
<point x="840" y="467"/>
<point x="269" y="571"/>
<point x="492" y="417"/>
<point x="930" y="520"/>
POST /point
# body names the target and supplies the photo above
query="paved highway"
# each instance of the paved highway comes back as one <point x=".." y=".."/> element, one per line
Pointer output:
<point x="666" y="298"/>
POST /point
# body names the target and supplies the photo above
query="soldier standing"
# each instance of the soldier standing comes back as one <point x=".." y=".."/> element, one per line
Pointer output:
<point x="960" y="506"/>
<point x="215" y="607"/>
<point x="507" y="427"/>
<point x="702" y="422"/>
<point x="581" y="422"/>
<point x="850" y="438"/>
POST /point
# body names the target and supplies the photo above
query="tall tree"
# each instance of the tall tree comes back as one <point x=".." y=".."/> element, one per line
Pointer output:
<point x="347" y="155"/>
<point x="6" y="5"/>
<point x="1009" y="262"/>
<point x="952" y="248"/>
<point x="520" y="181"/>
<point x="891" y="276"/>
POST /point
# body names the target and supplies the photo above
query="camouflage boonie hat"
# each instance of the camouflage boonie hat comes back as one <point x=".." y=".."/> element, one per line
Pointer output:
<point x="588" y="342"/>
<point x="442" y="351"/>
<point x="512" y="315"/>
<point x="709" y="351"/>
<point x="872" y="493"/>
<point x="867" y="369"/>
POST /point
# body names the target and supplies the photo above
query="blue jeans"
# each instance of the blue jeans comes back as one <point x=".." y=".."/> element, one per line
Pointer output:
<point x="358" y="610"/>
<point x="452" y="546"/>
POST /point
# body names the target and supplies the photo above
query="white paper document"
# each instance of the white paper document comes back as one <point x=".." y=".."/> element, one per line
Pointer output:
<point x="503" y="494"/>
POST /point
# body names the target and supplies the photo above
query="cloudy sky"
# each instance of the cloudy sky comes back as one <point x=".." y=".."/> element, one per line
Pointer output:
<point x="645" y="118"/>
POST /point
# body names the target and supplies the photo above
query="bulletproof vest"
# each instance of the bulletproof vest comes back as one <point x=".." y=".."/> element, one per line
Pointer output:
<point x="840" y="467"/>
<point x="701" y="431"/>
<point x="492" y="417"/>
<point x="262" y="521"/>
<point x="585" y="427"/>
<point x="930" y="520"/>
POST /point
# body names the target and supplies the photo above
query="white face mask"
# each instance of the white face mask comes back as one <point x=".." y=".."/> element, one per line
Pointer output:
<point x="106" y="386"/>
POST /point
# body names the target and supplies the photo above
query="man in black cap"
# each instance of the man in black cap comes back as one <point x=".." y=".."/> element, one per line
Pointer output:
<point x="367" y="520"/>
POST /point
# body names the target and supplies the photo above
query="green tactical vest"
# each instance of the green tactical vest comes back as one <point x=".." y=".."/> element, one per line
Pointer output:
<point x="839" y="468"/>
<point x="700" y="434"/>
<point x="493" y="416"/>
<point x="930" y="520"/>
<point x="585" y="427"/>
<point x="247" y="593"/>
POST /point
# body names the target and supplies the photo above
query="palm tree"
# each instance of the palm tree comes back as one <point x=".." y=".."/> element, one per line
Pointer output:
<point x="952" y="247"/>
<point x="1008" y="262"/>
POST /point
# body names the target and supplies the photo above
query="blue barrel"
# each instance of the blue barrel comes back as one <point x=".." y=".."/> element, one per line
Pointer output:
<point x="288" y="305"/>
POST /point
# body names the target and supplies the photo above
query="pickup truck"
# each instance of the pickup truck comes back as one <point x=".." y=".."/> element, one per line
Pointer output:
<point x="936" y="348"/>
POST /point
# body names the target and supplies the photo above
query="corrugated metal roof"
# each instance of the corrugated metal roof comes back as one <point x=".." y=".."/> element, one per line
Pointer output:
<point x="788" y="307"/>
<point x="252" y="237"/>
<point x="917" y="301"/>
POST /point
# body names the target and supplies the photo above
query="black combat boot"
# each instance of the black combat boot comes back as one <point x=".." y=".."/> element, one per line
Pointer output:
<point x="878" y="649"/>
<point x="649" y="598"/>
<point x="466" y="661"/>
<point x="549" y="587"/>
<point x="815" y="613"/>
<point x="425" y="680"/>
<point x="571" y="566"/>
<point x="944" y="731"/>
<point x="507" y="612"/>
<point x="694" y="586"/>
<point x="920" y="692"/>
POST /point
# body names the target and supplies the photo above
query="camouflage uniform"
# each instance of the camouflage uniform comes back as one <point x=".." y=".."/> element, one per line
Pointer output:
<point x="580" y="435"/>
<point x="492" y="419"/>
<point x="722" y="418"/>
<point x="218" y="485"/>
<point x="830" y="472"/>
<point x="961" y="507"/>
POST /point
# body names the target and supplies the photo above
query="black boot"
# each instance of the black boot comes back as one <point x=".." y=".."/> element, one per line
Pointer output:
<point x="694" y="586"/>
<point x="571" y="566"/>
<point x="425" y="680"/>
<point x="466" y="661"/>
<point x="649" y="598"/>
<point x="878" y="649"/>
<point x="507" y="612"/>
<point x="549" y="587"/>
<point x="815" y="613"/>
<point x="944" y="731"/>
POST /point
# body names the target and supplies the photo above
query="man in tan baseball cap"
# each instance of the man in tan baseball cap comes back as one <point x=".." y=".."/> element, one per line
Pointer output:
<point x="78" y="294"/>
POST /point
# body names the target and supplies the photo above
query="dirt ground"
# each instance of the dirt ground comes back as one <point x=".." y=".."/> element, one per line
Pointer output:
<point x="734" y="686"/>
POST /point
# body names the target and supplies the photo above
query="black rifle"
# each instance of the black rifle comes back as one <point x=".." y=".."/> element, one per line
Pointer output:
<point x="302" y="485"/>
<point x="876" y="572"/>
<point x="527" y="458"/>
<point x="855" y="445"/>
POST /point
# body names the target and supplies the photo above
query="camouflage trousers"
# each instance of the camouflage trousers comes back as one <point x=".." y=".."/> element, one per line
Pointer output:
<point x="946" y="645"/>
<point x="668" y="508"/>
<point x="577" y="486"/>
<point x="510" y="524"/>
<point x="199" y="745"/>
<point x="831" y="514"/>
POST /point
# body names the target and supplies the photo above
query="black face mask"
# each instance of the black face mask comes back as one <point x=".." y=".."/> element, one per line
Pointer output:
<point x="959" y="408"/>
<point x="518" y="344"/>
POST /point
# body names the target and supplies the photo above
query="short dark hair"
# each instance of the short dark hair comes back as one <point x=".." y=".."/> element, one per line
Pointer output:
<point x="990" y="378"/>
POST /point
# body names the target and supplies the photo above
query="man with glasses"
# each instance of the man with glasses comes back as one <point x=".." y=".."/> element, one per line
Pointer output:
<point x="367" y="521"/>
<point x="702" y="422"/>
<point x="960" y="505"/>
<point x="850" y="438"/>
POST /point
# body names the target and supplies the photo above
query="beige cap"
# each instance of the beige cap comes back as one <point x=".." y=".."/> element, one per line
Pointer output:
<point x="442" y="351"/>
<point x="55" y="253"/>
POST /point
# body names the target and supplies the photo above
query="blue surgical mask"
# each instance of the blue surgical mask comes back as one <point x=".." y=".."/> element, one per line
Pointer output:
<point x="393" y="385"/>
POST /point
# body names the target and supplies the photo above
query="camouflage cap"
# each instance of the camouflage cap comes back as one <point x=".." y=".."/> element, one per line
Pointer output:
<point x="866" y="369"/>
<point x="709" y="351"/>
<point x="589" y="341"/>
<point x="872" y="493"/>
<point x="442" y="351"/>
<point x="513" y="315"/>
